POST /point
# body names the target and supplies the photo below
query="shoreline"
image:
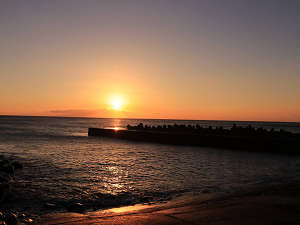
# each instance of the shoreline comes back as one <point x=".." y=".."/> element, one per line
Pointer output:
<point x="271" y="204"/>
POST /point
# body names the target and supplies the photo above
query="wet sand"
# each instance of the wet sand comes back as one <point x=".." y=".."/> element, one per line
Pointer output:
<point x="272" y="204"/>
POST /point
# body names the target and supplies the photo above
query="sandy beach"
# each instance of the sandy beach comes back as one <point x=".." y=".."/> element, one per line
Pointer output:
<point x="272" y="204"/>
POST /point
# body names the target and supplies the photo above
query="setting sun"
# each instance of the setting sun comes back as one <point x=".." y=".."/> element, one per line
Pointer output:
<point x="117" y="103"/>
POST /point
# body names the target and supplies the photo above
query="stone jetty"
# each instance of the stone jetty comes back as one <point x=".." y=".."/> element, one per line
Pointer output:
<point x="242" y="138"/>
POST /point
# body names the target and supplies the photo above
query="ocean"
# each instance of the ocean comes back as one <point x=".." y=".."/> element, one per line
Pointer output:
<point x="62" y="165"/>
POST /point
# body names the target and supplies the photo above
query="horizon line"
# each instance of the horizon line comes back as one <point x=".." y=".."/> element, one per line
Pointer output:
<point x="87" y="117"/>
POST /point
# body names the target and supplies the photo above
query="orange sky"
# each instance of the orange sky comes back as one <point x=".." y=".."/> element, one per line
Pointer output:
<point x="165" y="60"/>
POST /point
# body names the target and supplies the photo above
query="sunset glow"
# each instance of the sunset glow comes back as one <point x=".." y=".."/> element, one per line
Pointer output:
<point x="131" y="103"/>
<point x="183" y="60"/>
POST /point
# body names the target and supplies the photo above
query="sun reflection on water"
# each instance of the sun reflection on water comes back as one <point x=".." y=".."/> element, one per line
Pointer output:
<point x="115" y="128"/>
<point x="115" y="182"/>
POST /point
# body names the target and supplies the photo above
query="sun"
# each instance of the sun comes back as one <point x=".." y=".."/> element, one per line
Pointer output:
<point x="117" y="103"/>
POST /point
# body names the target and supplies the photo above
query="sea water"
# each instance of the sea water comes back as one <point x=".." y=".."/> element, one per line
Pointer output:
<point x="62" y="165"/>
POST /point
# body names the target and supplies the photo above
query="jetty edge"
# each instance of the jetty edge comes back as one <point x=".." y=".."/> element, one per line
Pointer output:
<point x="242" y="138"/>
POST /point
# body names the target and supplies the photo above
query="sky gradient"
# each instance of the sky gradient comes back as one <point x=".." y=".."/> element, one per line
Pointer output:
<point x="218" y="60"/>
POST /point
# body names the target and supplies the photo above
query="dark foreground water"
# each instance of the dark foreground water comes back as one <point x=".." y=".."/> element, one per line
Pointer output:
<point x="63" y="166"/>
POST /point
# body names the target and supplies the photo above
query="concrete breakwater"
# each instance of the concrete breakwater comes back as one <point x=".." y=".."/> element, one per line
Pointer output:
<point x="244" y="138"/>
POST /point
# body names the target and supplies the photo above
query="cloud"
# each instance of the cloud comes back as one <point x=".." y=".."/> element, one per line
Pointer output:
<point x="100" y="113"/>
<point x="79" y="112"/>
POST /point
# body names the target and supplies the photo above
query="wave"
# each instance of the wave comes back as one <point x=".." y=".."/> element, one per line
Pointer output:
<point x="33" y="134"/>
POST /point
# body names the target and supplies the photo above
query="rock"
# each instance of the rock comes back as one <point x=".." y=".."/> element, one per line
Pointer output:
<point x="28" y="220"/>
<point x="24" y="219"/>
<point x="2" y="219"/>
<point x="11" y="219"/>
